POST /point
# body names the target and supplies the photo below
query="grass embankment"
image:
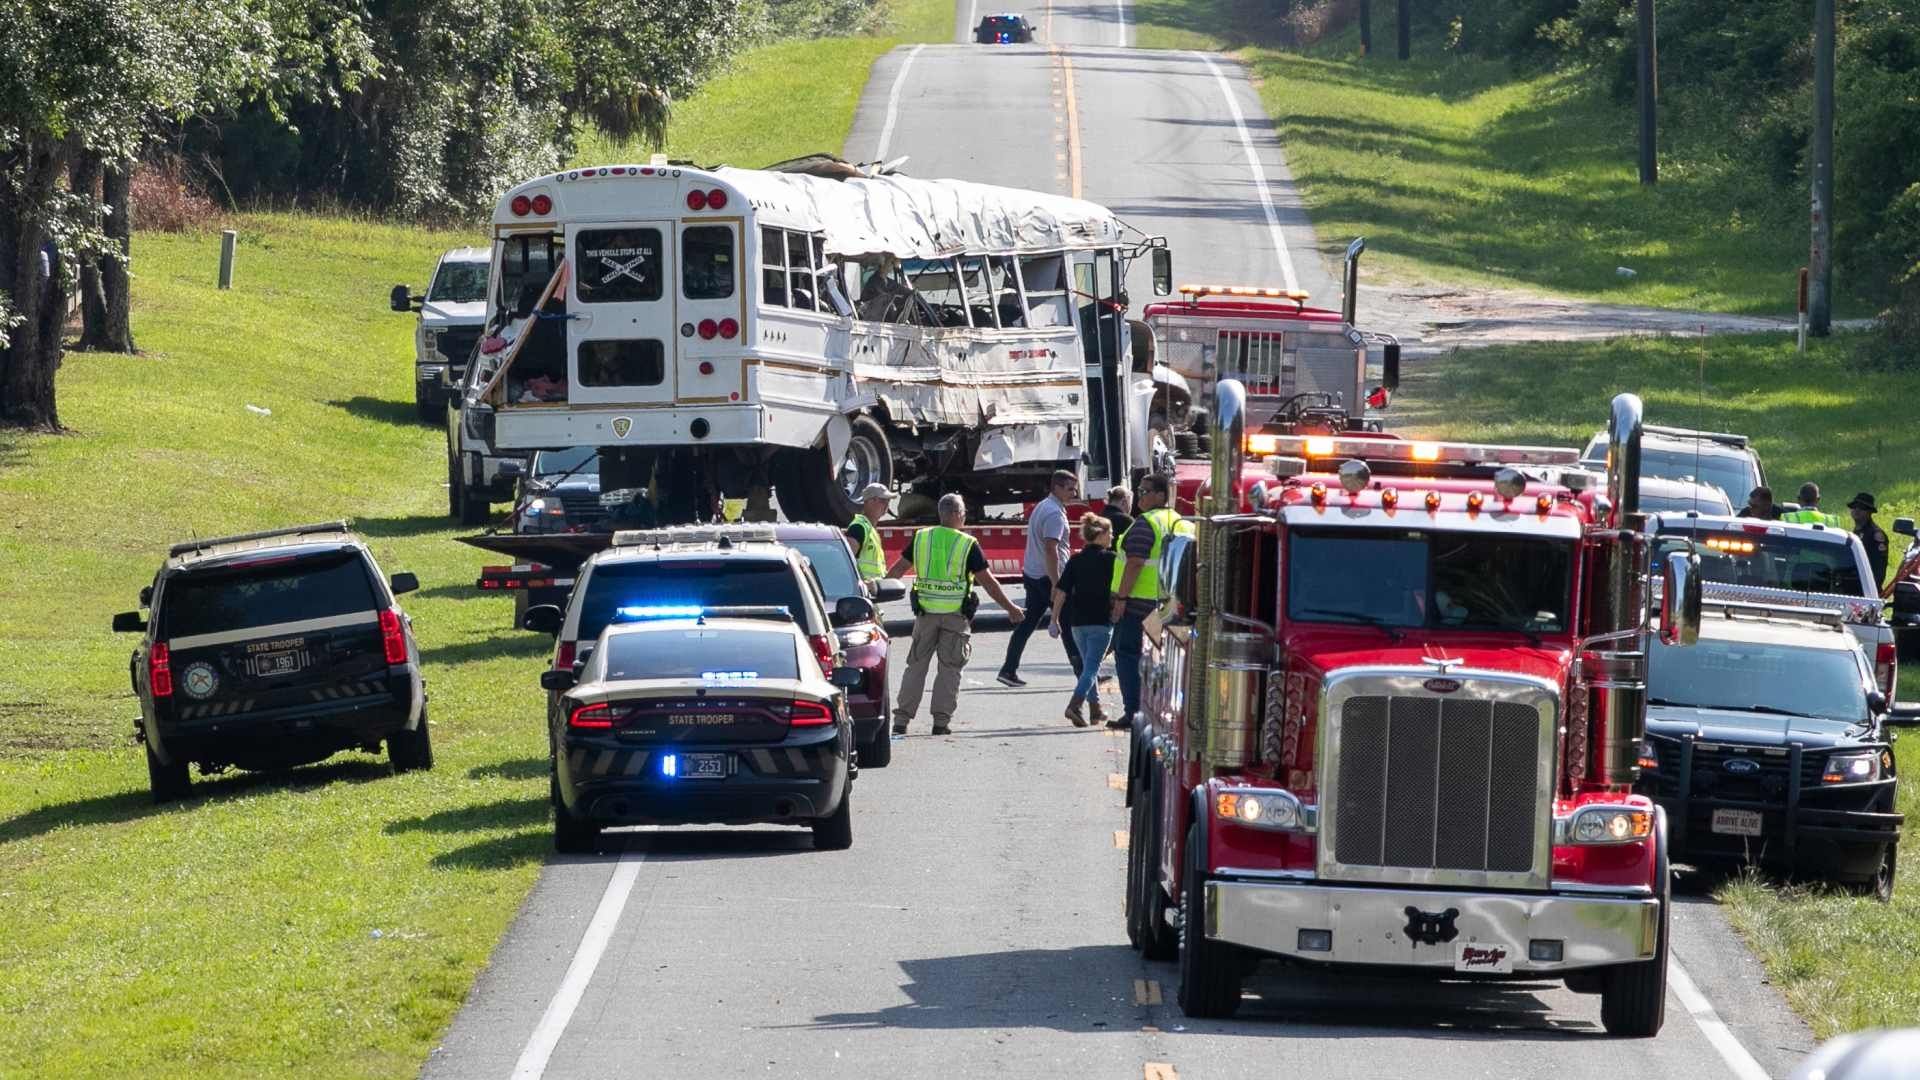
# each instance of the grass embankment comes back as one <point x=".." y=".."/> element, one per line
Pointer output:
<point x="326" y="922"/>
<point x="1460" y="170"/>
<point x="1845" y="963"/>
<point x="785" y="99"/>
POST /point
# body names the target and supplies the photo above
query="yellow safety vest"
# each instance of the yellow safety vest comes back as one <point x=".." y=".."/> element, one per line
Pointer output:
<point x="1164" y="522"/>
<point x="1811" y="517"/>
<point x="940" y="580"/>
<point x="871" y="560"/>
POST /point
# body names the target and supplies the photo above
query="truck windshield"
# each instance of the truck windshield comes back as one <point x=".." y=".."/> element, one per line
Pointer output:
<point x="459" y="283"/>
<point x="1773" y="560"/>
<point x="581" y="461"/>
<point x="1467" y="581"/>
<point x="1756" y="677"/>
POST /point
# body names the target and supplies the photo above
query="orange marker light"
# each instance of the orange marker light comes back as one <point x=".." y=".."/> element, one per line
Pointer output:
<point x="1426" y="451"/>
<point x="1319" y="494"/>
<point x="1475" y="501"/>
<point x="1544" y="503"/>
<point x="1389" y="498"/>
<point x="1319" y="446"/>
<point x="1433" y="501"/>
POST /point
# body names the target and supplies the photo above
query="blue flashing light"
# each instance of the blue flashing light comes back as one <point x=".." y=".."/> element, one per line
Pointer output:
<point x="660" y="611"/>
<point x="669" y="765"/>
<point x="723" y="676"/>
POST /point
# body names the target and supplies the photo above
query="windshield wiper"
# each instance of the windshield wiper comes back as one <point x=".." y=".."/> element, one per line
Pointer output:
<point x="1356" y="618"/>
<point x="1774" y="710"/>
<point x="1673" y="703"/>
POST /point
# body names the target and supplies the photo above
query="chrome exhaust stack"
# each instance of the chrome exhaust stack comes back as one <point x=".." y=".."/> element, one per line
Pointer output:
<point x="1224" y="669"/>
<point x="1613" y="661"/>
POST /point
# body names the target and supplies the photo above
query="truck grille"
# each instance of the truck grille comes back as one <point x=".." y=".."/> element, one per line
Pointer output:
<point x="456" y="344"/>
<point x="1440" y="789"/>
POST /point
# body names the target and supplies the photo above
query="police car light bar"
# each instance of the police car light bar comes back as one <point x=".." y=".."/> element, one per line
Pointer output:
<point x="1245" y="290"/>
<point x="695" y="534"/>
<point x="647" y="612"/>
<point x="1331" y="446"/>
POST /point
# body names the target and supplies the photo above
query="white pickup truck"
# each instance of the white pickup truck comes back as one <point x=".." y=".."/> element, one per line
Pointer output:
<point x="1774" y="563"/>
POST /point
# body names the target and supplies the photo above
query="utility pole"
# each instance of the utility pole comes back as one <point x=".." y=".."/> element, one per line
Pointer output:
<point x="1648" y="92"/>
<point x="1406" y="29"/>
<point x="1366" y="27"/>
<point x="1820" y="259"/>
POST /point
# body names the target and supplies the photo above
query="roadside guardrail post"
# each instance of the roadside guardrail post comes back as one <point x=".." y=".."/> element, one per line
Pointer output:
<point x="228" y="238"/>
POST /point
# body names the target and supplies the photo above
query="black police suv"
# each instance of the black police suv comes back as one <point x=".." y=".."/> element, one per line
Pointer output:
<point x="1767" y="743"/>
<point x="274" y="649"/>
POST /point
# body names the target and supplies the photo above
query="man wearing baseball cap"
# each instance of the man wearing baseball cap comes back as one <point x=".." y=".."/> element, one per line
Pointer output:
<point x="864" y="535"/>
<point x="1870" y="534"/>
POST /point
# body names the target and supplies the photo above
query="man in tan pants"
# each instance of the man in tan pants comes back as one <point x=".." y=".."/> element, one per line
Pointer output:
<point x="946" y="564"/>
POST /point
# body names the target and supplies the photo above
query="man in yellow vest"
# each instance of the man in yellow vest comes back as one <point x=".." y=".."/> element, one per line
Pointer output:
<point x="864" y="535"/>
<point x="1136" y="583"/>
<point x="946" y="564"/>
<point x="1810" y="512"/>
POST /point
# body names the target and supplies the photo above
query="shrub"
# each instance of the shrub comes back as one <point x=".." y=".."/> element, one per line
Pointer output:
<point x="166" y="198"/>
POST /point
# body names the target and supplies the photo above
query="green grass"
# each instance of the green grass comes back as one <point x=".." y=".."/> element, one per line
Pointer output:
<point x="1844" y="963"/>
<point x="326" y="922"/>
<point x="1464" y="171"/>
<point x="785" y="99"/>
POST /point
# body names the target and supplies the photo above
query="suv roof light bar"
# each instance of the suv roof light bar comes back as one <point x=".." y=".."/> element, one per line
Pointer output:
<point x="265" y="534"/>
<point x="1254" y="291"/>
<point x="1723" y="437"/>
<point x="698" y="613"/>
<point x="696" y="534"/>
<point x="1322" y="447"/>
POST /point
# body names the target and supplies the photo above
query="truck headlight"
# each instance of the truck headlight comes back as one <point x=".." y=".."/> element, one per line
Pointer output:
<point x="1852" y="768"/>
<point x="1604" y="825"/>
<point x="1264" y="808"/>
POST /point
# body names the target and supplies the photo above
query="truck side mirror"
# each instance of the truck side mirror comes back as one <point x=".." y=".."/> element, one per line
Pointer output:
<point x="1680" y="599"/>
<point x="847" y="678"/>
<point x="129" y="622"/>
<point x="542" y="619"/>
<point x="887" y="590"/>
<point x="1176" y="576"/>
<point x="1390" y="365"/>
<point x="1876" y="702"/>
<point x="1904" y="714"/>
<point x="512" y="469"/>
<point x="403" y="582"/>
<point x="561" y="681"/>
<point x="146" y="596"/>
<point x="1162" y="271"/>
<point x="1904" y="526"/>
<point x="399" y="299"/>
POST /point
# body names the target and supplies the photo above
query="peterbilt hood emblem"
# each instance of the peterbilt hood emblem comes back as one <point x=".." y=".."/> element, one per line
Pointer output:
<point x="622" y="425"/>
<point x="1441" y="686"/>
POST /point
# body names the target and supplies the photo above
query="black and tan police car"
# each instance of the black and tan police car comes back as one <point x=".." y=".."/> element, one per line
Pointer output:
<point x="690" y="715"/>
<point x="274" y="649"/>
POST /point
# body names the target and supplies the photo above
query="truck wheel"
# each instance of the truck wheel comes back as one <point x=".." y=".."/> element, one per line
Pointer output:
<point x="424" y="405"/>
<point x="168" y="781"/>
<point x="1209" y="972"/>
<point x="1633" y="997"/>
<point x="877" y="752"/>
<point x="835" y="831"/>
<point x="411" y="751"/>
<point x="571" y="836"/>
<point x="1158" y="941"/>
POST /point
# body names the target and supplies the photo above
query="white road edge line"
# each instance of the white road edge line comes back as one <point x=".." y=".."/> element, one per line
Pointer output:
<point x="893" y="104"/>
<point x="1722" y="1037"/>
<point x="1120" y="9"/>
<point x="973" y="18"/>
<point x="1259" y="174"/>
<point x="593" y="944"/>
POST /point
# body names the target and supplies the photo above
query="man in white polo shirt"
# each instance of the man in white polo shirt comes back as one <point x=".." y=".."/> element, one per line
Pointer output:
<point x="1047" y="553"/>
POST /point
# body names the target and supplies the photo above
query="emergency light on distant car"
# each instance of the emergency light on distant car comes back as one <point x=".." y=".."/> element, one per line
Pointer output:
<point x="1732" y="545"/>
<point x="1377" y="449"/>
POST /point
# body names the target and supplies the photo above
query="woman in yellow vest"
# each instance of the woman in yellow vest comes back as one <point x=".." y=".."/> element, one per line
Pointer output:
<point x="946" y="564"/>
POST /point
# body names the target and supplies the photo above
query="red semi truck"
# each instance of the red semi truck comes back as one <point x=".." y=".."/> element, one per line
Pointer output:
<point x="1394" y="714"/>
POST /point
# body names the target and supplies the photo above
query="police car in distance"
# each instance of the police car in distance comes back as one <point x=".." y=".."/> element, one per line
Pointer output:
<point x="1003" y="29"/>
<point x="685" y="715"/>
<point x="274" y="649"/>
<point x="1767" y="742"/>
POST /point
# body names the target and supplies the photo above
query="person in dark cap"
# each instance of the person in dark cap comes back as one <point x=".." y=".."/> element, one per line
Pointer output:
<point x="1760" y="505"/>
<point x="1870" y="534"/>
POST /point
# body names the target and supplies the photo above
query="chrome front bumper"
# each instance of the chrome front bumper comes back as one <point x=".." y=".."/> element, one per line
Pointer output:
<point x="1369" y="925"/>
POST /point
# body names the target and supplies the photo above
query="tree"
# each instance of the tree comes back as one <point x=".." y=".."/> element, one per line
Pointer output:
<point x="90" y="77"/>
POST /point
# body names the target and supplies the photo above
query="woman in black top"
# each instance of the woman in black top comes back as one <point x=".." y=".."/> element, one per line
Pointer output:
<point x="1082" y="595"/>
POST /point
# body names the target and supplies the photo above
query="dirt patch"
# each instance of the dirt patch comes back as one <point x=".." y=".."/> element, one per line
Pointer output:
<point x="1430" y="319"/>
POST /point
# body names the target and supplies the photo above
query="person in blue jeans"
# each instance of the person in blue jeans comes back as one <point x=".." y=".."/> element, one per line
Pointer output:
<point x="1080" y="599"/>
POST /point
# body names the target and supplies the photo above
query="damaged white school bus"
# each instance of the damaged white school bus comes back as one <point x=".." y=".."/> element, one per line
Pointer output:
<point x="810" y="329"/>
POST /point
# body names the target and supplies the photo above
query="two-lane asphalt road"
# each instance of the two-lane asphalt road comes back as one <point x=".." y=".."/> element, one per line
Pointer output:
<point x="975" y="926"/>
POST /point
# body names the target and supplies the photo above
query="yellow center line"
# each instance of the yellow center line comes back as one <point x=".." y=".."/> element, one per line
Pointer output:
<point x="1120" y="838"/>
<point x="1073" y="127"/>
<point x="1146" y="991"/>
<point x="1117" y="781"/>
